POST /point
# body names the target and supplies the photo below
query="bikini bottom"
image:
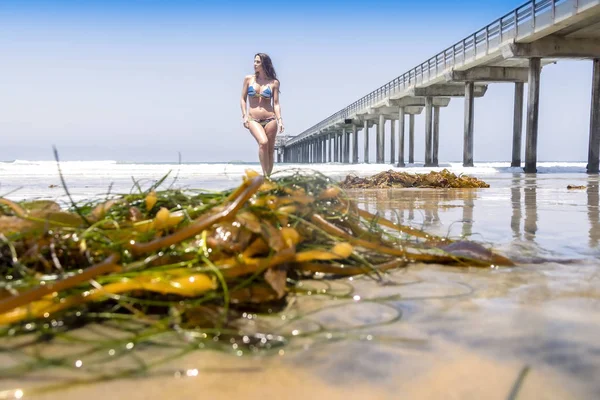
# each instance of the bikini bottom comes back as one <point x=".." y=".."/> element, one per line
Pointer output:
<point x="263" y="122"/>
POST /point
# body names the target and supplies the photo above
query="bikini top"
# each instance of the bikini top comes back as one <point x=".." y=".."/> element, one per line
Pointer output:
<point x="266" y="93"/>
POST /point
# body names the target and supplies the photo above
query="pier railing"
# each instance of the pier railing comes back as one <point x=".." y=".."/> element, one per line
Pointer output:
<point x="281" y="140"/>
<point x="518" y="24"/>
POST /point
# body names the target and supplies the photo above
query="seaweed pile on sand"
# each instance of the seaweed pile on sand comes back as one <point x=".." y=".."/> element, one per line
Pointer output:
<point x="185" y="262"/>
<point x="395" y="179"/>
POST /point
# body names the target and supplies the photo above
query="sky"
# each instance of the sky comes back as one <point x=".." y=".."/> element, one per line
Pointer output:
<point x="144" y="81"/>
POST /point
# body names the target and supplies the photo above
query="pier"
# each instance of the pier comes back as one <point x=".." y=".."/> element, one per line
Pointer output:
<point x="512" y="49"/>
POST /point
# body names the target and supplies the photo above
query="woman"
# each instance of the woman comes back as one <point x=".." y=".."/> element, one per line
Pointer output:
<point x="263" y="114"/>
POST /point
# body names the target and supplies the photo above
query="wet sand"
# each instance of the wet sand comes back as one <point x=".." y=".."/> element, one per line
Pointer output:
<point x="463" y="333"/>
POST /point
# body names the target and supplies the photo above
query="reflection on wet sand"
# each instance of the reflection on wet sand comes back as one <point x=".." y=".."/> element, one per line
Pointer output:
<point x="593" y="212"/>
<point x="515" y="198"/>
<point x="417" y="207"/>
<point x="544" y="315"/>
<point x="442" y="211"/>
<point x="467" y="217"/>
<point x="531" y="216"/>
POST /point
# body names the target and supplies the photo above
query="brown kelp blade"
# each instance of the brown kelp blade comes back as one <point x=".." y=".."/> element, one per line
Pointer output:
<point x="107" y="266"/>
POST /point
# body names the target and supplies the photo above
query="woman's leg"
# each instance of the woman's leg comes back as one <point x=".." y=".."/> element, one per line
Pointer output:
<point x="271" y="133"/>
<point x="263" y="144"/>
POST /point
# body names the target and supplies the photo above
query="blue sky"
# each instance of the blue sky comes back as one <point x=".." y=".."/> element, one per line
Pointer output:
<point x="144" y="80"/>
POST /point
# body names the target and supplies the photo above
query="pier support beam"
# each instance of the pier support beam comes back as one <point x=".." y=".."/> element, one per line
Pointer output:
<point x="307" y="156"/>
<point x="392" y="141"/>
<point x="401" y="137"/>
<point x="321" y="149"/>
<point x="517" y="125"/>
<point x="488" y="74"/>
<point x="354" y="144"/>
<point x="436" y="136"/>
<point x="346" y="146"/>
<point x="338" y="137"/>
<point x="594" y="142"/>
<point x="381" y="139"/>
<point x="319" y="141"/>
<point x="469" y="122"/>
<point x="533" y="106"/>
<point x="366" y="144"/>
<point x="553" y="47"/>
<point x="447" y="90"/>
<point x="306" y="152"/>
<point x="341" y="146"/>
<point x="336" y="144"/>
<point x="318" y="149"/>
<point x="411" y="139"/>
<point x="428" y="130"/>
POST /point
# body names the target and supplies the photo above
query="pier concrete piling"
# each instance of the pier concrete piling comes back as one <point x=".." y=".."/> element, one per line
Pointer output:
<point x="340" y="146"/>
<point x="436" y="136"/>
<point x="380" y="139"/>
<point x="366" y="141"/>
<point x="343" y="145"/>
<point x="346" y="146"/>
<point x="517" y="125"/>
<point x="354" y="144"/>
<point x="411" y="139"/>
<point x="392" y="141"/>
<point x="401" y="137"/>
<point x="336" y="144"/>
<point x="533" y="106"/>
<point x="594" y="141"/>
<point x="428" y="129"/>
<point x="469" y="122"/>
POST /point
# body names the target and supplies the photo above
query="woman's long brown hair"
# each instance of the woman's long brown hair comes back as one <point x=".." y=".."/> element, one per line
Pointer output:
<point x="267" y="65"/>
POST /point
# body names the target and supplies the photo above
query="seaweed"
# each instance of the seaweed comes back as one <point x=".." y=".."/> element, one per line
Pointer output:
<point x="192" y="263"/>
<point x="395" y="179"/>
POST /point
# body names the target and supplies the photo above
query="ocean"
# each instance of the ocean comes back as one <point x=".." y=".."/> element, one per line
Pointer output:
<point x="464" y="333"/>
<point x="512" y="192"/>
<point x="86" y="179"/>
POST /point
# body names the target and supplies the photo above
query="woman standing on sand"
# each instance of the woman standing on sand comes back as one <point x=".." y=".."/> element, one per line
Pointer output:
<point x="263" y="114"/>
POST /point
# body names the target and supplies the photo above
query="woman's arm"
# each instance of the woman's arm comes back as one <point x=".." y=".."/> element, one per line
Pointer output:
<point x="243" y="103"/>
<point x="276" y="106"/>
